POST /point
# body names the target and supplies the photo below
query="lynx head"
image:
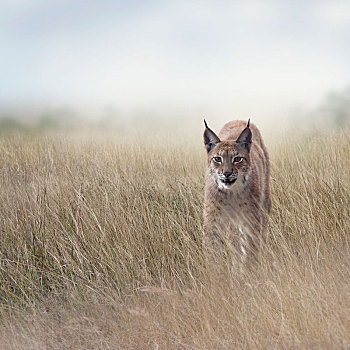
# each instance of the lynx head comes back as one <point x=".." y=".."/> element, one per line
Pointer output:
<point x="228" y="161"/>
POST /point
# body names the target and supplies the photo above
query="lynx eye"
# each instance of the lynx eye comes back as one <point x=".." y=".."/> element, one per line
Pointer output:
<point x="237" y="159"/>
<point x="217" y="160"/>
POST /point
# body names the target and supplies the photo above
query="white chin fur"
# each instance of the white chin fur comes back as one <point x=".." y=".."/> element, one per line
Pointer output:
<point x="223" y="186"/>
<point x="237" y="185"/>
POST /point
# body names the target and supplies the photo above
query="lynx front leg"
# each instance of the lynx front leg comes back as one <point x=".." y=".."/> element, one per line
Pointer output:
<point x="250" y="242"/>
<point x="212" y="240"/>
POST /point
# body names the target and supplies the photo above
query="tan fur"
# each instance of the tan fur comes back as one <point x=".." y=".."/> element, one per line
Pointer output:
<point x="238" y="212"/>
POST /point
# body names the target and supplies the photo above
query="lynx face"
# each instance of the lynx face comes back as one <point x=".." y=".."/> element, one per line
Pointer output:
<point x="228" y="161"/>
<point x="229" y="164"/>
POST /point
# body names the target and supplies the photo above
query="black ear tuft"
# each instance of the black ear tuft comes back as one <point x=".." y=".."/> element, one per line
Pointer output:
<point x="245" y="138"/>
<point x="210" y="138"/>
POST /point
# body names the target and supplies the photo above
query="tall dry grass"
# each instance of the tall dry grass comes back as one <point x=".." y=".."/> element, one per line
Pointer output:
<point x="101" y="248"/>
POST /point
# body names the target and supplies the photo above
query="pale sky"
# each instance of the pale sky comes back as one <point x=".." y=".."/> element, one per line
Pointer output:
<point x="203" y="57"/>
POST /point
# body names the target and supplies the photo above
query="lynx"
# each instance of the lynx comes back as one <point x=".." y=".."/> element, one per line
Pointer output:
<point x="237" y="188"/>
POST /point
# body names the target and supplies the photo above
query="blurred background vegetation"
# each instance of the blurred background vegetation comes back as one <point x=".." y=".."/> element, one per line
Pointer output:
<point x="332" y="112"/>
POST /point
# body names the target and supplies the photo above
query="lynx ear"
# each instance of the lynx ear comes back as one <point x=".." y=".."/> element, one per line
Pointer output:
<point x="210" y="138"/>
<point x="245" y="138"/>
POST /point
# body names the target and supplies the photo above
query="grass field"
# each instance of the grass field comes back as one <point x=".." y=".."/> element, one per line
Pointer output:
<point x="101" y="248"/>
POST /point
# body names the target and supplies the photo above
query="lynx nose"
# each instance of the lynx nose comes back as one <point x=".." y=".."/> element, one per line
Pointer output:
<point x="227" y="174"/>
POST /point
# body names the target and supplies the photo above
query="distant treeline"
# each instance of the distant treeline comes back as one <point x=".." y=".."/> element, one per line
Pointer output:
<point x="68" y="120"/>
<point x="334" y="111"/>
<point x="336" y="107"/>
